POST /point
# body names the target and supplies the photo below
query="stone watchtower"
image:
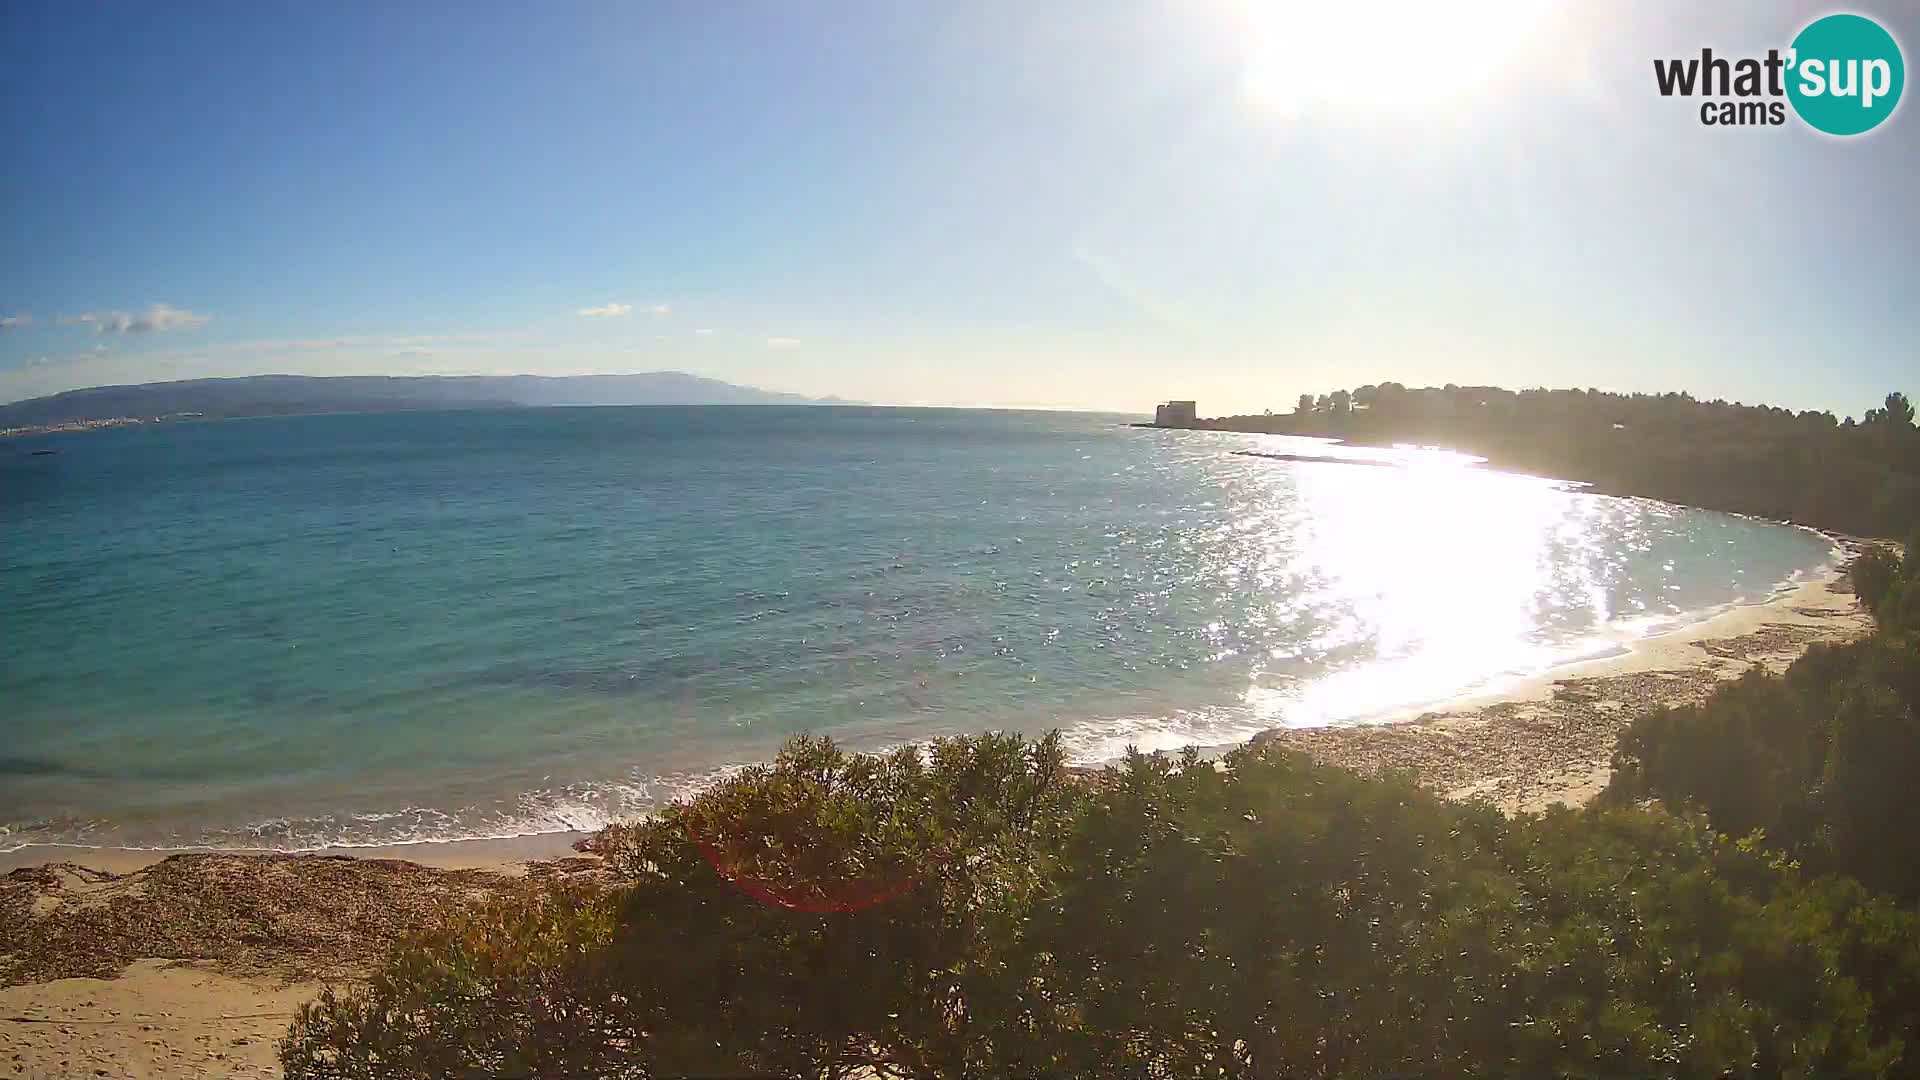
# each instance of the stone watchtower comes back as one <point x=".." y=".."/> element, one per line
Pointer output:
<point x="1175" y="414"/>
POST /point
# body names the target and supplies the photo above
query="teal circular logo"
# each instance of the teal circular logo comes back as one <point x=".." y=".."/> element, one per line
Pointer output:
<point x="1845" y="74"/>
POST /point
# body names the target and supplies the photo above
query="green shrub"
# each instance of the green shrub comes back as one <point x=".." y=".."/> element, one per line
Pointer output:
<point x="974" y="910"/>
<point x="1899" y="609"/>
<point x="1821" y="761"/>
<point x="1750" y="756"/>
<point x="1873" y="574"/>
<point x="1872" y="769"/>
<point x="518" y="988"/>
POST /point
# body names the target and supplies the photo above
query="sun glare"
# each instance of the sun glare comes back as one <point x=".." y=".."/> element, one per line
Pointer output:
<point x="1383" y="53"/>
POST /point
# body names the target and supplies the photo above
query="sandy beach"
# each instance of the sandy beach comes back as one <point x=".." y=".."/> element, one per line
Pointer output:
<point x="145" y="964"/>
<point x="192" y="965"/>
<point x="1548" y="740"/>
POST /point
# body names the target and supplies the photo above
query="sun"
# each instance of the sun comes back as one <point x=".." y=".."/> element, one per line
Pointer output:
<point x="1382" y="53"/>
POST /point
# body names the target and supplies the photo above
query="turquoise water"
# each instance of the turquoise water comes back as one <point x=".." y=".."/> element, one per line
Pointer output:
<point x="302" y="631"/>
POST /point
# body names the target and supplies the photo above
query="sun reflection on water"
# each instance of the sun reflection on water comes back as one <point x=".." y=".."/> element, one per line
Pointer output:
<point x="1423" y="574"/>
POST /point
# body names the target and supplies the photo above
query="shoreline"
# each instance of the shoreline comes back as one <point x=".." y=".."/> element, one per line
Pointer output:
<point x="503" y="854"/>
<point x="1349" y="744"/>
<point x="1544" y="740"/>
<point x="118" y="962"/>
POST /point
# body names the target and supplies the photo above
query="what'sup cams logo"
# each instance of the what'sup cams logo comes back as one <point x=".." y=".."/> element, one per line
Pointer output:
<point x="1843" y="75"/>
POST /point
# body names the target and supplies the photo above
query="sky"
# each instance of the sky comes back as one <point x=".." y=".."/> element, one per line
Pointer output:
<point x="1082" y="203"/>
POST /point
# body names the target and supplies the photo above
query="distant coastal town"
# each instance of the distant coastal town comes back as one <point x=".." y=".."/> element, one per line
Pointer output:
<point x="94" y="425"/>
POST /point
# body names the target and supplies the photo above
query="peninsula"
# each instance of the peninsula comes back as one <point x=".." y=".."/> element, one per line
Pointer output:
<point x="287" y="395"/>
<point x="1808" y="467"/>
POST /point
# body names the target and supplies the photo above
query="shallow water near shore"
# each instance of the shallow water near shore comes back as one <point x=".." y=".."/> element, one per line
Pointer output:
<point x="305" y="632"/>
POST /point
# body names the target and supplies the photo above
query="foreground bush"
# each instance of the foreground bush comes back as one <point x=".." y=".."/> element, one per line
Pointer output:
<point x="1873" y="574"/>
<point x="518" y="988"/>
<point x="1824" y="761"/>
<point x="974" y="910"/>
<point x="1889" y="585"/>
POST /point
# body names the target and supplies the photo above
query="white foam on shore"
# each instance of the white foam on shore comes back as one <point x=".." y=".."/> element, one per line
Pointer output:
<point x="583" y="807"/>
<point x="1099" y="741"/>
<point x="588" y="807"/>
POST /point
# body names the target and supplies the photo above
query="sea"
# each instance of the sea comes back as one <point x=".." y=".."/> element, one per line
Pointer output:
<point x="300" y="632"/>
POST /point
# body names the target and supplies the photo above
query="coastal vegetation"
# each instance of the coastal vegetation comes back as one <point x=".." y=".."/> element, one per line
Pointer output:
<point x="1820" y="761"/>
<point x="1741" y="904"/>
<point x="1857" y="476"/>
<point x="1743" y="901"/>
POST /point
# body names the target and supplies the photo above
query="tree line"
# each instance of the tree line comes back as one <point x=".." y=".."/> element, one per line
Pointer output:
<point x="1860" y="477"/>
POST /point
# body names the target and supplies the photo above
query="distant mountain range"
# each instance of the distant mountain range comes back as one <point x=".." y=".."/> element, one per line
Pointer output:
<point x="286" y="395"/>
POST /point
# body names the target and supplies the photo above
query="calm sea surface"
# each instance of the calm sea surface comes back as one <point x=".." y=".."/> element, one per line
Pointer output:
<point x="360" y="629"/>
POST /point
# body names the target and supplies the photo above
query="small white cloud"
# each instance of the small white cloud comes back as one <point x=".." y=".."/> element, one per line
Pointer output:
<point x="704" y="331"/>
<point x="99" y="348"/>
<point x="15" y="322"/>
<point x="607" y="311"/>
<point x="156" y="319"/>
<point x="782" y="342"/>
<point x="661" y="309"/>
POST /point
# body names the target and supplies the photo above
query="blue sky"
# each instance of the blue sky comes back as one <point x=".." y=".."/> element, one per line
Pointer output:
<point x="1056" y="204"/>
